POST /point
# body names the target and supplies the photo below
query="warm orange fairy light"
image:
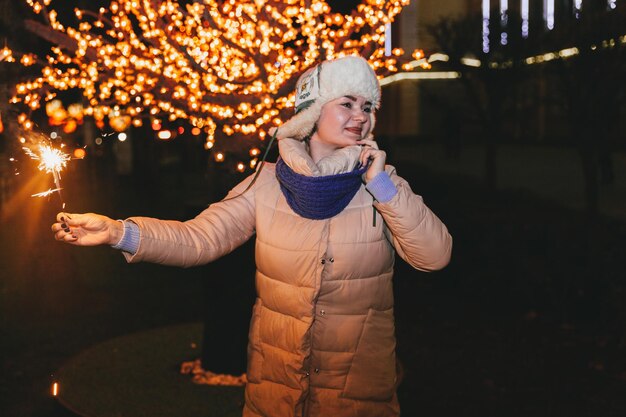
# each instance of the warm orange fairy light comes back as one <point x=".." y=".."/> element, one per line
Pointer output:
<point x="6" y="55"/>
<point x="229" y="67"/>
<point x="80" y="153"/>
<point x="164" y="134"/>
<point x="55" y="389"/>
<point x="28" y="60"/>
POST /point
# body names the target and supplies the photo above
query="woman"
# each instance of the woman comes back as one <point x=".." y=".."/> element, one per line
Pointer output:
<point x="328" y="218"/>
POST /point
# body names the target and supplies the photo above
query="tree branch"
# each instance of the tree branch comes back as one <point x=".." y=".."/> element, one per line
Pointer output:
<point x="60" y="39"/>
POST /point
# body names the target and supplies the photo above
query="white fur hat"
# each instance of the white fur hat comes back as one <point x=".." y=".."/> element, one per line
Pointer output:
<point x="350" y="75"/>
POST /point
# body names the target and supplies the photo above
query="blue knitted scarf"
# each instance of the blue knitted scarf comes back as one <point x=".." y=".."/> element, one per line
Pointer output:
<point x="318" y="197"/>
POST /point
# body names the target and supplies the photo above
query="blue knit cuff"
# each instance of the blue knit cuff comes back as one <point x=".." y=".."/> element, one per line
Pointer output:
<point x="382" y="188"/>
<point x="130" y="238"/>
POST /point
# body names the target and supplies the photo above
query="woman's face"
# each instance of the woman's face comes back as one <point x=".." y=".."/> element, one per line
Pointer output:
<point x="343" y="122"/>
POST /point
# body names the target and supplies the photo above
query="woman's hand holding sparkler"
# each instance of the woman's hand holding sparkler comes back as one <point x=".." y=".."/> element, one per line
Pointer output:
<point x="87" y="229"/>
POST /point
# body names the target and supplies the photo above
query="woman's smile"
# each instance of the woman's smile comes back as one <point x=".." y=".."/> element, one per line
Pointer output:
<point x="356" y="130"/>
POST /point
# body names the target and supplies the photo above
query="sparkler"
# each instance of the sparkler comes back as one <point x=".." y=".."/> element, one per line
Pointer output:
<point x="46" y="193"/>
<point x="52" y="161"/>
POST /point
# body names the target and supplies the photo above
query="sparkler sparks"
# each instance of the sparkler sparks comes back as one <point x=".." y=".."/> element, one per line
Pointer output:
<point x="46" y="193"/>
<point x="52" y="161"/>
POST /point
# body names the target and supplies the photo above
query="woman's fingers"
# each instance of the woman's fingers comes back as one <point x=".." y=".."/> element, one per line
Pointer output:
<point x="70" y="237"/>
<point x="369" y="143"/>
<point x="62" y="223"/>
<point x="376" y="159"/>
<point x="64" y="217"/>
<point x="371" y="153"/>
<point x="62" y="229"/>
<point x="366" y="154"/>
<point x="63" y="236"/>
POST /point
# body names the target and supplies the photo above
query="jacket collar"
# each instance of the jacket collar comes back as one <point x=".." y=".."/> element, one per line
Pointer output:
<point x="296" y="156"/>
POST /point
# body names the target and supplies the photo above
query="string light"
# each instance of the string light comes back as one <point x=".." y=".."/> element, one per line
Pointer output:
<point x="548" y="13"/>
<point x="504" y="19"/>
<point x="578" y="7"/>
<point x="227" y="67"/>
<point x="486" y="9"/>
<point x="525" y="14"/>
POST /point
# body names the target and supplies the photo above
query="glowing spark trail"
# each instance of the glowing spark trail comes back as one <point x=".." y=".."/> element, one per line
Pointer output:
<point x="47" y="193"/>
<point x="51" y="160"/>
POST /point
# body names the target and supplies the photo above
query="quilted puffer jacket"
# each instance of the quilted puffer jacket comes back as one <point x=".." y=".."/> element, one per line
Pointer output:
<point x="322" y="336"/>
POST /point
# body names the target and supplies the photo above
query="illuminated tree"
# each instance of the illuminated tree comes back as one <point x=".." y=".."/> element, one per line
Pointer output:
<point x="228" y="67"/>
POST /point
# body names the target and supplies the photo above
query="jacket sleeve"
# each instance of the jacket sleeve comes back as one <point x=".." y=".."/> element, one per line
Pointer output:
<point x="417" y="234"/>
<point x="215" y="232"/>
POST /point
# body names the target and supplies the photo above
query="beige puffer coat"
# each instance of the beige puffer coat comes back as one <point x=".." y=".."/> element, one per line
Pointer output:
<point x="322" y="337"/>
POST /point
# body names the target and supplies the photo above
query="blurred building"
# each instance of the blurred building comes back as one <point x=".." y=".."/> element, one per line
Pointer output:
<point x="419" y="109"/>
<point x="405" y="109"/>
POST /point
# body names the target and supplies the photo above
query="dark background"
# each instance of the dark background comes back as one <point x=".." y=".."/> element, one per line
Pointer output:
<point x="529" y="318"/>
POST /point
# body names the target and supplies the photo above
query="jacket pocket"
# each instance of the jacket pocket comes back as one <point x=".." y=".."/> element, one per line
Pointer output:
<point x="372" y="374"/>
<point x="255" y="351"/>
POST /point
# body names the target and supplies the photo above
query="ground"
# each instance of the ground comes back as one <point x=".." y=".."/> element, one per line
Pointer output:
<point x="529" y="318"/>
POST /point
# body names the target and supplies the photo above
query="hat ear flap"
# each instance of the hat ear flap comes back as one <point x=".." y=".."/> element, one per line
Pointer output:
<point x="301" y="125"/>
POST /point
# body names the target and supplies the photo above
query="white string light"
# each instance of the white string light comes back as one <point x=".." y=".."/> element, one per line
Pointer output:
<point x="388" y="39"/>
<point x="486" y="9"/>
<point x="578" y="7"/>
<point x="504" y="18"/>
<point x="524" y="12"/>
<point x="548" y="13"/>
